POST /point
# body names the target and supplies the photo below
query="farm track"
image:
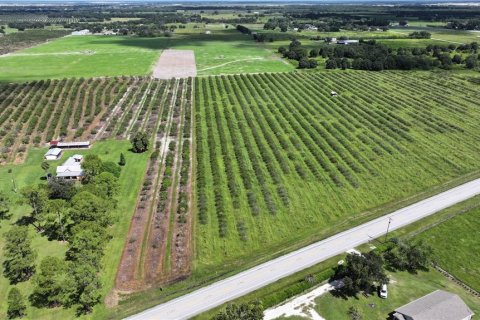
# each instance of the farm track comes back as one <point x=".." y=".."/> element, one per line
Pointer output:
<point x="156" y="237"/>
<point x="146" y="259"/>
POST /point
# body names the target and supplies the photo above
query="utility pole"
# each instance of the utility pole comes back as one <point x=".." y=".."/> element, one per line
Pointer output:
<point x="388" y="228"/>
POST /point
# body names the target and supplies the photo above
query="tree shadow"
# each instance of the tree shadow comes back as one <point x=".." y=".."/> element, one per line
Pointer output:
<point x="179" y="40"/>
<point x="24" y="221"/>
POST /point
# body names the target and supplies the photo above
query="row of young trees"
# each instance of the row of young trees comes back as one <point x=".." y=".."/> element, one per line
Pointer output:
<point x="63" y="211"/>
<point x="36" y="112"/>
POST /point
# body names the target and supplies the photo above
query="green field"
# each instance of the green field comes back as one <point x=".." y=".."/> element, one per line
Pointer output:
<point x="442" y="34"/>
<point x="30" y="173"/>
<point x="455" y="242"/>
<point x="80" y="56"/>
<point x="279" y="159"/>
<point x="403" y="288"/>
<point x="222" y="51"/>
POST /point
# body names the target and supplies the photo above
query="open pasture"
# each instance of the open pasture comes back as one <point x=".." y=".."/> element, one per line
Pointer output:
<point x="80" y="56"/>
<point x="279" y="158"/>
<point x="221" y="51"/>
<point x="459" y="235"/>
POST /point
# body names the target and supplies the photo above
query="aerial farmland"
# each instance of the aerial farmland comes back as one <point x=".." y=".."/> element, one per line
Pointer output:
<point x="212" y="141"/>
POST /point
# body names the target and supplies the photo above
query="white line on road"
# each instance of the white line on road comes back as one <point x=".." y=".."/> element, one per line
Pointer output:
<point x="247" y="281"/>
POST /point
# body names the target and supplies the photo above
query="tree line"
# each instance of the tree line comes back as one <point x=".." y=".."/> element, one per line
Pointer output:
<point x="370" y="55"/>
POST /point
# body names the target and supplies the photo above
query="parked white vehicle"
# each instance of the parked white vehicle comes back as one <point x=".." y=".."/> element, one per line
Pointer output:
<point x="383" y="291"/>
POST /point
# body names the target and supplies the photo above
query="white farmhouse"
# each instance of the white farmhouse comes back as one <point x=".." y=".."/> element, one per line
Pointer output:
<point x="71" y="169"/>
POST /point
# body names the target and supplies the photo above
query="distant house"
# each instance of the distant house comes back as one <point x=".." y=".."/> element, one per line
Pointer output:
<point x="53" y="154"/>
<point x="81" y="32"/>
<point x="208" y="32"/>
<point x="438" y="305"/>
<point x="70" y="145"/>
<point x="71" y="169"/>
<point x="347" y="42"/>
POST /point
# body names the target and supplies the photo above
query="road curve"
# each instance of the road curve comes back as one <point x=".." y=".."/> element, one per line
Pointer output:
<point x="252" y="279"/>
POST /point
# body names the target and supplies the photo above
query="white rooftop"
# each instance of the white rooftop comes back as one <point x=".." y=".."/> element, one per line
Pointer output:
<point x="71" y="167"/>
<point x="53" y="152"/>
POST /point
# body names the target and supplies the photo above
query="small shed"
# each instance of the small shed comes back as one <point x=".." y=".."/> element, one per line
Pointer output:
<point x="333" y="93"/>
<point x="53" y="154"/>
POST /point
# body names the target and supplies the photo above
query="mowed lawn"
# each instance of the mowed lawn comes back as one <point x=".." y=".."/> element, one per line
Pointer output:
<point x="30" y="173"/>
<point x="456" y="243"/>
<point x="221" y="51"/>
<point x="404" y="288"/>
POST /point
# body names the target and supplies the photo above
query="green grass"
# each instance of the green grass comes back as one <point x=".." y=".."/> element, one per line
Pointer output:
<point x="80" y="56"/>
<point x="403" y="288"/>
<point x="455" y="242"/>
<point x="222" y="51"/>
<point x="30" y="173"/>
<point x="447" y="36"/>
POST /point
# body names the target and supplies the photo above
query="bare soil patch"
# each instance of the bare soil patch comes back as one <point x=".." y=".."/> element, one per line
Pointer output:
<point x="175" y="64"/>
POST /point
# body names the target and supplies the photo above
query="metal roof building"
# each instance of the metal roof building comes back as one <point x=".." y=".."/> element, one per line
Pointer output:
<point x="53" y="154"/>
<point x="438" y="305"/>
<point x="71" y="169"/>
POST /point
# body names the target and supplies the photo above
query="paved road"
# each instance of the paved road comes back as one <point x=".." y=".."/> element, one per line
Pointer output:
<point x="225" y="290"/>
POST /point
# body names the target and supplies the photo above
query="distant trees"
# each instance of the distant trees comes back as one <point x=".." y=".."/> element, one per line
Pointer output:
<point x="420" y="35"/>
<point x="305" y="63"/>
<point x="139" y="142"/>
<point x="243" y="29"/>
<point x="246" y="311"/>
<point x="16" y="304"/>
<point x="470" y="24"/>
<point x="471" y="62"/>
<point x="19" y="263"/>
<point x="297" y="52"/>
